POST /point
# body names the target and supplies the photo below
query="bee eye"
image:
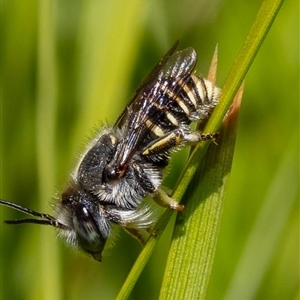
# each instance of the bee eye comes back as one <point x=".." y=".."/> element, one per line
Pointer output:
<point x="88" y="232"/>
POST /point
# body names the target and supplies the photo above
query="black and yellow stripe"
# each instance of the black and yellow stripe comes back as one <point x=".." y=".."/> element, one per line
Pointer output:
<point x="187" y="100"/>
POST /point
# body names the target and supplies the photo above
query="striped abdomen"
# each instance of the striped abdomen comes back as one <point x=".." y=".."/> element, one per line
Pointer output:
<point x="181" y="101"/>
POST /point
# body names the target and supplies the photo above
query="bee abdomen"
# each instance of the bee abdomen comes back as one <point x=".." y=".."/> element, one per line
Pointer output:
<point x="192" y="99"/>
<point x="201" y="96"/>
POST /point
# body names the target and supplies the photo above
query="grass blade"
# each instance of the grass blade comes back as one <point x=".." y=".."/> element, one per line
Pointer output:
<point x="261" y="243"/>
<point x="259" y="30"/>
<point x="195" y="235"/>
<point x="45" y="130"/>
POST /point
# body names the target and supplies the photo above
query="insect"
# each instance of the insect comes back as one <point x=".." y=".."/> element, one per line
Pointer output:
<point x="125" y="162"/>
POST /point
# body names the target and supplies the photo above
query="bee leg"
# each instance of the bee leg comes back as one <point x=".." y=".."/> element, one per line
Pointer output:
<point x="162" y="198"/>
<point x="164" y="143"/>
<point x="195" y="137"/>
<point x="151" y="231"/>
<point x="136" y="234"/>
<point x="175" y="138"/>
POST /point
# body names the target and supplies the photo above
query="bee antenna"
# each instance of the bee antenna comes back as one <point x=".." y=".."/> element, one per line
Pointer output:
<point x="45" y="219"/>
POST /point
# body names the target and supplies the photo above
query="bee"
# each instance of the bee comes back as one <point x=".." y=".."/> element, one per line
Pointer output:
<point x="124" y="163"/>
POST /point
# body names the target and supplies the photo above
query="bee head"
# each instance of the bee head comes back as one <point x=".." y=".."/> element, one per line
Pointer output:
<point x="87" y="226"/>
<point x="79" y="218"/>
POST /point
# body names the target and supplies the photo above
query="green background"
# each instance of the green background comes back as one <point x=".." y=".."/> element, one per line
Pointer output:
<point x="68" y="66"/>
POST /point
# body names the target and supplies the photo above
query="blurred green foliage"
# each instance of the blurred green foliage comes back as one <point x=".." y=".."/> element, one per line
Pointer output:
<point x="87" y="61"/>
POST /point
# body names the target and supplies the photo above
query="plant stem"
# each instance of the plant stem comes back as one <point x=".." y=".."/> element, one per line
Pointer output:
<point x="245" y="57"/>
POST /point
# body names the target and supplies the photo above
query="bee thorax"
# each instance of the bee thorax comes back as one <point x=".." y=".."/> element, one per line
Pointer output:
<point x="129" y="190"/>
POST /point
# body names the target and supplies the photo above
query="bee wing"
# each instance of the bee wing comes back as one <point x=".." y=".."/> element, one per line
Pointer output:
<point x="174" y="65"/>
<point x="150" y="79"/>
<point x="134" y="121"/>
